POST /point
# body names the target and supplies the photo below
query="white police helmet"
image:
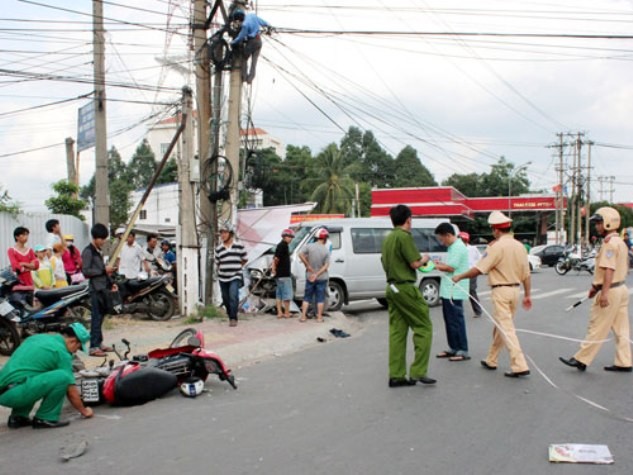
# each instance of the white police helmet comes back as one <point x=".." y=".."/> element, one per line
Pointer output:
<point x="192" y="387"/>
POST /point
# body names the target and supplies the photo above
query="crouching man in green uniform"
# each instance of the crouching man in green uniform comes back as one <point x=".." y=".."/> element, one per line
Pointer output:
<point x="407" y="307"/>
<point x="41" y="369"/>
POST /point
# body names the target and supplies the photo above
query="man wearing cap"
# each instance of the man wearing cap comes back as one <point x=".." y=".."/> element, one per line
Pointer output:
<point x="41" y="370"/>
<point x="281" y="271"/>
<point x="505" y="262"/>
<point x="316" y="258"/>
<point x="473" y="257"/>
<point x="230" y="257"/>
<point x="609" y="310"/>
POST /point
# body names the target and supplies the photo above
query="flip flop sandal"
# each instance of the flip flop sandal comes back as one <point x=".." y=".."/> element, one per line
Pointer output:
<point x="445" y="354"/>
<point x="459" y="358"/>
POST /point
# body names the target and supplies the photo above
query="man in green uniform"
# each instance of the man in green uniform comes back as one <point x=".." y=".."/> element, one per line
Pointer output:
<point x="41" y="369"/>
<point x="407" y="307"/>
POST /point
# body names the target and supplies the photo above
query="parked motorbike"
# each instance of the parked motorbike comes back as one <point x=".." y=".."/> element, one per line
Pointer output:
<point x="185" y="357"/>
<point x="573" y="261"/>
<point x="152" y="296"/>
<point x="19" y="320"/>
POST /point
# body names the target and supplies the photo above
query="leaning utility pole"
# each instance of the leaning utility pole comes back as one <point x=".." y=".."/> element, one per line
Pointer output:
<point x="102" y="200"/>
<point x="203" y="106"/>
<point x="188" y="263"/>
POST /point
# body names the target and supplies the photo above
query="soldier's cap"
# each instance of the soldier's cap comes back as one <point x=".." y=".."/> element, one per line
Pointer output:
<point x="498" y="220"/>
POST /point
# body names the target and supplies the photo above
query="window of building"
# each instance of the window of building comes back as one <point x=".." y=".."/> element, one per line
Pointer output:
<point x="143" y="214"/>
<point x="163" y="149"/>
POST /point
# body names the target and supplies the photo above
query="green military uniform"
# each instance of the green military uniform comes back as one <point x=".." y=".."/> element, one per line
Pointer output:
<point x="407" y="307"/>
<point x="40" y="369"/>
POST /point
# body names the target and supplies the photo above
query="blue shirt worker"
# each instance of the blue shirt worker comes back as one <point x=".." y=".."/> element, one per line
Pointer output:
<point x="453" y="295"/>
<point x="249" y="35"/>
<point x="505" y="262"/>
<point x="407" y="308"/>
<point x="281" y="271"/>
<point x="41" y="370"/>
<point x="230" y="257"/>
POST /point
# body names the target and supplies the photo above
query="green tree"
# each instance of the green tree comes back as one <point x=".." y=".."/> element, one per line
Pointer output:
<point x="65" y="202"/>
<point x="333" y="190"/>
<point x="366" y="159"/>
<point x="469" y="185"/>
<point x="169" y="173"/>
<point x="142" y="166"/>
<point x="409" y="170"/>
<point x="118" y="186"/>
<point x="7" y="204"/>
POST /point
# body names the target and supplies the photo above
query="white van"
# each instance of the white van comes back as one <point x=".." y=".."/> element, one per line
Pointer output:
<point x="355" y="270"/>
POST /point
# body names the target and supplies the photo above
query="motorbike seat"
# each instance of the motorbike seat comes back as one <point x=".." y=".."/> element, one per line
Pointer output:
<point x="48" y="297"/>
<point x="136" y="284"/>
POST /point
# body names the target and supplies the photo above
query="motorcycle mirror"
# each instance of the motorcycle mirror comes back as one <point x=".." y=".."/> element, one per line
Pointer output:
<point x="194" y="341"/>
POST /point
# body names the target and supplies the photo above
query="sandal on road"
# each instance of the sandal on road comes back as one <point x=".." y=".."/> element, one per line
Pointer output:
<point x="459" y="358"/>
<point x="445" y="354"/>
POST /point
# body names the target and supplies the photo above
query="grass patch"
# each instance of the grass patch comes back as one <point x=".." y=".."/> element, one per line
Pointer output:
<point x="202" y="313"/>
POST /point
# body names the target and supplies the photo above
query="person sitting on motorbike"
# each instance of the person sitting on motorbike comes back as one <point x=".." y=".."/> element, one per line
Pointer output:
<point x="152" y="254"/>
<point x="41" y="370"/>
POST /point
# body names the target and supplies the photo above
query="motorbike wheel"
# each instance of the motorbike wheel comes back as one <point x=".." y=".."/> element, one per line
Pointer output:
<point x="81" y="313"/>
<point x="161" y="305"/>
<point x="182" y="337"/>
<point x="561" y="268"/>
<point x="9" y="337"/>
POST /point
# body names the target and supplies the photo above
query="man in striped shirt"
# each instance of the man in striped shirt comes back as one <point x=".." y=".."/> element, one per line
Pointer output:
<point x="230" y="257"/>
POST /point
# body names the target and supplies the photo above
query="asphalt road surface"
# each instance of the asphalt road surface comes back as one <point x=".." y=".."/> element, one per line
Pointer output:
<point x="328" y="410"/>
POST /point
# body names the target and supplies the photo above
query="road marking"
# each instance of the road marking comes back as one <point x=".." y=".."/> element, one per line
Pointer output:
<point x="549" y="294"/>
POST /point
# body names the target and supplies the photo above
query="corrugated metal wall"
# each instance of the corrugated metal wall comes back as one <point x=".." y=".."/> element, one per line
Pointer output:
<point x="35" y="224"/>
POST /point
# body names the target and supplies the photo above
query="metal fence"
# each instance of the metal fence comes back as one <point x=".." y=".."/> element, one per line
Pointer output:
<point x="34" y="222"/>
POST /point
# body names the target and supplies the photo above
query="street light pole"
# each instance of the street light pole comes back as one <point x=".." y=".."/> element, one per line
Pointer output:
<point x="512" y="175"/>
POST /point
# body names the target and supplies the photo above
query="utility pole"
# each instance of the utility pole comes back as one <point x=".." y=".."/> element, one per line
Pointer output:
<point x="559" y="214"/>
<point x="70" y="162"/>
<point x="588" y="193"/>
<point x="188" y="262"/>
<point x="203" y="106"/>
<point x="579" y="193"/>
<point x="102" y="199"/>
<point x="572" y="206"/>
<point x="232" y="146"/>
<point x="611" y="188"/>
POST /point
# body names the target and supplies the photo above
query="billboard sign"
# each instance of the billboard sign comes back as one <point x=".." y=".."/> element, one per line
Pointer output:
<point x="86" y="126"/>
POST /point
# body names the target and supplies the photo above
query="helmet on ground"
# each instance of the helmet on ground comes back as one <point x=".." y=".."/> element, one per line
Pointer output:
<point x="464" y="236"/>
<point x="498" y="220"/>
<point x="323" y="234"/>
<point x="608" y="216"/>
<point x="288" y="232"/>
<point x="192" y="387"/>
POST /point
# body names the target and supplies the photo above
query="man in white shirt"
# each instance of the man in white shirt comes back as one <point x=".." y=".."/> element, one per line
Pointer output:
<point x="132" y="258"/>
<point x="473" y="256"/>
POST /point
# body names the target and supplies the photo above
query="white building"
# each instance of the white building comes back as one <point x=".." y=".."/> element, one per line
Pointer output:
<point x="161" y="207"/>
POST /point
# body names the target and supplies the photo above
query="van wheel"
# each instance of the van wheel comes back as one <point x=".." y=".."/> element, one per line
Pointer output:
<point x="430" y="289"/>
<point x="383" y="302"/>
<point x="335" y="296"/>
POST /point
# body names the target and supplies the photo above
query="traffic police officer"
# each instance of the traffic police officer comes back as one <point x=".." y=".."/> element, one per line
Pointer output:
<point x="609" y="310"/>
<point x="505" y="262"/>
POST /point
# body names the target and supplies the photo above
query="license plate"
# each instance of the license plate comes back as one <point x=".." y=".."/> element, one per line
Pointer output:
<point x="170" y="288"/>
<point x="6" y="308"/>
<point x="90" y="390"/>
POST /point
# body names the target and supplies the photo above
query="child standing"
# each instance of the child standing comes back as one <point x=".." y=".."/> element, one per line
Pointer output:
<point x="57" y="263"/>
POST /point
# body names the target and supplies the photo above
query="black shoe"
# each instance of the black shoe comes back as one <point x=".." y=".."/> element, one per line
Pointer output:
<point x="574" y="363"/>
<point x="485" y="364"/>
<point x="425" y="380"/>
<point x="518" y="374"/>
<point x="399" y="383"/>
<point x="619" y="369"/>
<point x="44" y="424"/>
<point x="15" y="422"/>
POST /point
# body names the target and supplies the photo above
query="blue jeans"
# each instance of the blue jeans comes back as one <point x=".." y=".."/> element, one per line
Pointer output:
<point x="315" y="291"/>
<point x="453" y="312"/>
<point x="231" y="296"/>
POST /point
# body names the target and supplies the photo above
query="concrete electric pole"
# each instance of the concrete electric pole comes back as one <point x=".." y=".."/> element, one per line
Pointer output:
<point x="102" y="198"/>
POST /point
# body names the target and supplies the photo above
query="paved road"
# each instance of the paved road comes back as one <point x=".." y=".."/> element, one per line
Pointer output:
<point x="328" y="410"/>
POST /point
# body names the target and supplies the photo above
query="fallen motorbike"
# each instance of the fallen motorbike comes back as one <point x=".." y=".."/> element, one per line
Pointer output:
<point x="19" y="320"/>
<point x="185" y="357"/>
<point x="152" y="296"/>
<point x="573" y="261"/>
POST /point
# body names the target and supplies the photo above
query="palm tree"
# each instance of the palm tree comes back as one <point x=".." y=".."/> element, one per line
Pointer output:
<point x="333" y="189"/>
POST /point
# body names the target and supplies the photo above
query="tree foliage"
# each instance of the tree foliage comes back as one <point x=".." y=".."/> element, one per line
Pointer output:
<point x="7" y="204"/>
<point x="333" y="187"/>
<point x="502" y="179"/>
<point x="66" y="202"/>
<point x="409" y="170"/>
<point x="142" y="166"/>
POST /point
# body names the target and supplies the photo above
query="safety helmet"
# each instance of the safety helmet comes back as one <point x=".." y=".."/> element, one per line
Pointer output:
<point x="498" y="220"/>
<point x="323" y="234"/>
<point x="288" y="232"/>
<point x="227" y="227"/>
<point x="238" y="15"/>
<point x="192" y="387"/>
<point x="464" y="236"/>
<point x="165" y="242"/>
<point x="119" y="230"/>
<point x="608" y="216"/>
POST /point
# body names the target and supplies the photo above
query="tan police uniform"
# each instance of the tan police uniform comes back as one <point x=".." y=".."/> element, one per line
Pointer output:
<point x="615" y="317"/>
<point x="505" y="262"/>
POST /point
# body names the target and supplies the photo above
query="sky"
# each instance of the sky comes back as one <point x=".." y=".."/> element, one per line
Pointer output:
<point x="411" y="71"/>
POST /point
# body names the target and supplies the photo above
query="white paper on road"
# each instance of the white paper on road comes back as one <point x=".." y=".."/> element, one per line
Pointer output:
<point x="580" y="453"/>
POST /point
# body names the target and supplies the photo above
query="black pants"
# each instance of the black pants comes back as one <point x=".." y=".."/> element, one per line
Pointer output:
<point x="251" y="50"/>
